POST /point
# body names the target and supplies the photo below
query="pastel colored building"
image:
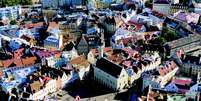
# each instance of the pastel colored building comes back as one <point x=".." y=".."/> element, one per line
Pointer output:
<point x="191" y="65"/>
<point x="81" y="67"/>
<point x="55" y="41"/>
<point x="10" y="12"/>
<point x="197" y="6"/>
<point x="51" y="86"/>
<point x="189" y="43"/>
<point x="167" y="72"/>
<point x="162" y="6"/>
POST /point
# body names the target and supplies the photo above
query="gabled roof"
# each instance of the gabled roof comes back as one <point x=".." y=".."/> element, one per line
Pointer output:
<point x="182" y="81"/>
<point x="184" y="41"/>
<point x="7" y="63"/>
<point x="107" y="50"/>
<point x="29" y="60"/>
<point x="109" y="67"/>
<point x="80" y="61"/>
<point x="192" y="59"/>
<point x="82" y="41"/>
<point x="92" y="39"/>
<point x="168" y="67"/>
<point x="53" y="25"/>
<point x="69" y="46"/>
<point x="19" y="62"/>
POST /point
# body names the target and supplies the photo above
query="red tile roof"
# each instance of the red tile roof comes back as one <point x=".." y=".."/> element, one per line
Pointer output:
<point x="181" y="82"/>
<point x="80" y="61"/>
<point x="152" y="95"/>
<point x="18" y="53"/>
<point x="126" y="63"/>
<point x="116" y="58"/>
<point x="137" y="25"/>
<point x="46" y="79"/>
<point x="168" y="67"/>
<point x="29" y="61"/>
<point x="58" y="55"/>
<point x="131" y="52"/>
<point x="34" y="25"/>
<point x="7" y="63"/>
<point x="46" y="53"/>
<point x="18" y="62"/>
<point x="1" y="74"/>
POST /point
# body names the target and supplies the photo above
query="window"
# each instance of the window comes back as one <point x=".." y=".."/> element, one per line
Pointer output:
<point x="123" y="75"/>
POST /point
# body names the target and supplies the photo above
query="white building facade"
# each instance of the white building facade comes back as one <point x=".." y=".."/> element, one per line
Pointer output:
<point x="10" y="12"/>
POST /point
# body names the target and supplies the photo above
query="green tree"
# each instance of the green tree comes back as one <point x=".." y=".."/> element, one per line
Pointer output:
<point x="140" y="42"/>
<point x="13" y="22"/>
<point x="168" y="35"/>
<point x="26" y="2"/>
<point x="149" y="3"/>
<point x="160" y="40"/>
<point x="4" y="3"/>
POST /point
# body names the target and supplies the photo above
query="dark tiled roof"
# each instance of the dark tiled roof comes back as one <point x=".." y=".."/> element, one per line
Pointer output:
<point x="161" y="1"/>
<point x="135" y="69"/>
<point x="92" y="40"/>
<point x="183" y="86"/>
<point x="192" y="59"/>
<point x="69" y="46"/>
<point x="109" y="67"/>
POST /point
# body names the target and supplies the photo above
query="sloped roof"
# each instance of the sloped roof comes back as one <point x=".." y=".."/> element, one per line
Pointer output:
<point x="80" y="61"/>
<point x="109" y="67"/>
<point x="107" y="50"/>
<point x="29" y="60"/>
<point x="168" y="67"/>
<point x="161" y="1"/>
<point x="7" y="63"/>
<point x="52" y="25"/>
<point x="184" y="41"/>
<point x="192" y="59"/>
<point x="182" y="81"/>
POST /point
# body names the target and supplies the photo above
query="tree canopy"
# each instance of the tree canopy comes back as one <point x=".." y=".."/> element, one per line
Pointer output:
<point x="149" y="3"/>
<point x="168" y="35"/>
<point x="13" y="22"/>
<point x="4" y="3"/>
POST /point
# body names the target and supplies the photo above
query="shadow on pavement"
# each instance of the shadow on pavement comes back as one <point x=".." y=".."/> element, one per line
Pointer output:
<point x="87" y="89"/>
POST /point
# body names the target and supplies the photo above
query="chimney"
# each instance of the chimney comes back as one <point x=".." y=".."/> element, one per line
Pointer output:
<point x="24" y="89"/>
<point x="30" y="77"/>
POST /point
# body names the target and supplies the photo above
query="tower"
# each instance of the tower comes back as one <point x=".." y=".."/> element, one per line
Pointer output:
<point x="198" y="78"/>
<point x="101" y="44"/>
